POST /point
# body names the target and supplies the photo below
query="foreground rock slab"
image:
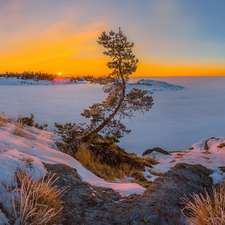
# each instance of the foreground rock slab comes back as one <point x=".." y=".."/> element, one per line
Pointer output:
<point x="159" y="205"/>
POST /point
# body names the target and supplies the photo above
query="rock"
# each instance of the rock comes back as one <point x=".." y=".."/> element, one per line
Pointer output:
<point x="222" y="168"/>
<point x="86" y="204"/>
<point x="206" y="147"/>
<point x="159" y="205"/>
<point x="156" y="149"/>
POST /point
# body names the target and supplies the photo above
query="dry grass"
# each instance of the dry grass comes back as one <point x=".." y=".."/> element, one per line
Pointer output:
<point x="18" y="130"/>
<point x="104" y="171"/>
<point x="179" y="154"/>
<point x="37" y="202"/>
<point x="155" y="173"/>
<point x="146" y="160"/>
<point x="2" y="119"/>
<point x="152" y="161"/>
<point x="28" y="159"/>
<point x="206" y="210"/>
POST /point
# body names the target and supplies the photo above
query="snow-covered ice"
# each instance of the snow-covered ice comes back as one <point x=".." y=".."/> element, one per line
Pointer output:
<point x="177" y="119"/>
<point x="22" y="82"/>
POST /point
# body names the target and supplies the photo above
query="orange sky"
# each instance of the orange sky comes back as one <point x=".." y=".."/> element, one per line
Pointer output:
<point x="55" y="36"/>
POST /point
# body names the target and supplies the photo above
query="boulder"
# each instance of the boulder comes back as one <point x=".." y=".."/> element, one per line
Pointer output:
<point x="156" y="149"/>
<point x="87" y="204"/>
<point x="159" y="205"/>
<point x="206" y="147"/>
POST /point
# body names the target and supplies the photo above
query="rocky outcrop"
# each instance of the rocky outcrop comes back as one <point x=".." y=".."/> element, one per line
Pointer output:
<point x="206" y="147"/>
<point x="86" y="204"/>
<point x="156" y="149"/>
<point x="159" y="205"/>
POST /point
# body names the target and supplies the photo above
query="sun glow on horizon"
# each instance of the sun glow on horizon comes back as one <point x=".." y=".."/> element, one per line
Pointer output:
<point x="59" y="74"/>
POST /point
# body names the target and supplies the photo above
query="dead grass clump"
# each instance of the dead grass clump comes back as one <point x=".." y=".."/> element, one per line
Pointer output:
<point x="156" y="173"/>
<point x="137" y="175"/>
<point x="152" y="161"/>
<point x="28" y="159"/>
<point x="37" y="202"/>
<point x="206" y="210"/>
<point x="18" y="130"/>
<point x="148" y="161"/>
<point x="145" y="184"/>
<point x="221" y="145"/>
<point x="105" y="171"/>
<point x="2" y="119"/>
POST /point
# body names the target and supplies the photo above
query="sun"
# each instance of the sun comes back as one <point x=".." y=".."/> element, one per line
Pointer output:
<point x="59" y="74"/>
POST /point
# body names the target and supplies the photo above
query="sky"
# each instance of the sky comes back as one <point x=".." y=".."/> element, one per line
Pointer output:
<point x="171" y="37"/>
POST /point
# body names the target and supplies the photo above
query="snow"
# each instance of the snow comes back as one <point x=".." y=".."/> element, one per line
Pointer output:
<point x="39" y="146"/>
<point x="214" y="158"/>
<point x="56" y="81"/>
<point x="177" y="119"/>
<point x="154" y="85"/>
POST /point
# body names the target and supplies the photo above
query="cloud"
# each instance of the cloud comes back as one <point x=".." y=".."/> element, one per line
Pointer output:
<point x="38" y="33"/>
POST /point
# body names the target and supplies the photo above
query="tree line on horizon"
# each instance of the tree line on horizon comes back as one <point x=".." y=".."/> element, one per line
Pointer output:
<point x="29" y="75"/>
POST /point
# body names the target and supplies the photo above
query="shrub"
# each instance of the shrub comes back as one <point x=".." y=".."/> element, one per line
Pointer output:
<point x="27" y="121"/>
<point x="45" y="125"/>
<point x="206" y="210"/>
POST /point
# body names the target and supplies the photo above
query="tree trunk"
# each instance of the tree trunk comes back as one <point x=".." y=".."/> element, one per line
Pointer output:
<point x="111" y="116"/>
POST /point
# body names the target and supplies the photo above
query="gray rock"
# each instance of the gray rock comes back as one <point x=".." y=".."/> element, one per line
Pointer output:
<point x="156" y="149"/>
<point x="86" y="204"/>
<point x="159" y="205"/>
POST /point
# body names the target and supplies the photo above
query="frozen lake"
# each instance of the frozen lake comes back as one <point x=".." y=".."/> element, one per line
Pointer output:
<point x="177" y="119"/>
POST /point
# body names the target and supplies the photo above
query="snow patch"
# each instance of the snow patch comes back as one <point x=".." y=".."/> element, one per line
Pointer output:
<point x="40" y="147"/>
<point x="214" y="158"/>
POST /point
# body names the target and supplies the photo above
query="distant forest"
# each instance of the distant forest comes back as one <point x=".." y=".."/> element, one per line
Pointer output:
<point x="30" y="75"/>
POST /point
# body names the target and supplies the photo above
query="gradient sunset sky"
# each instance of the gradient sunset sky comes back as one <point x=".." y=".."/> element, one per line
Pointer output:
<point x="172" y="37"/>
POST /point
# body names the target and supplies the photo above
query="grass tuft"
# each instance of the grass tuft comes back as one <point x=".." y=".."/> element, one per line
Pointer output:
<point x="152" y="161"/>
<point x="156" y="173"/>
<point x="37" y="202"/>
<point x="18" y="130"/>
<point x="105" y="171"/>
<point x="206" y="210"/>
<point x="2" y="119"/>
<point x="28" y="159"/>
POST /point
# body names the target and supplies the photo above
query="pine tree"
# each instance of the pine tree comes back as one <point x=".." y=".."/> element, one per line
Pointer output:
<point x="105" y="117"/>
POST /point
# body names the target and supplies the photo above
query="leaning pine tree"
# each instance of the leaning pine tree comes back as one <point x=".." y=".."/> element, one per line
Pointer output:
<point x="105" y="117"/>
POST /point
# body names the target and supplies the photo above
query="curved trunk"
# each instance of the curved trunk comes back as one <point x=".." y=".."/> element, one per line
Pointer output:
<point x="111" y="116"/>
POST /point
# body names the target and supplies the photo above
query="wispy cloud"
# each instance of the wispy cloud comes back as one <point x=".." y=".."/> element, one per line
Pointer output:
<point x="41" y="34"/>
